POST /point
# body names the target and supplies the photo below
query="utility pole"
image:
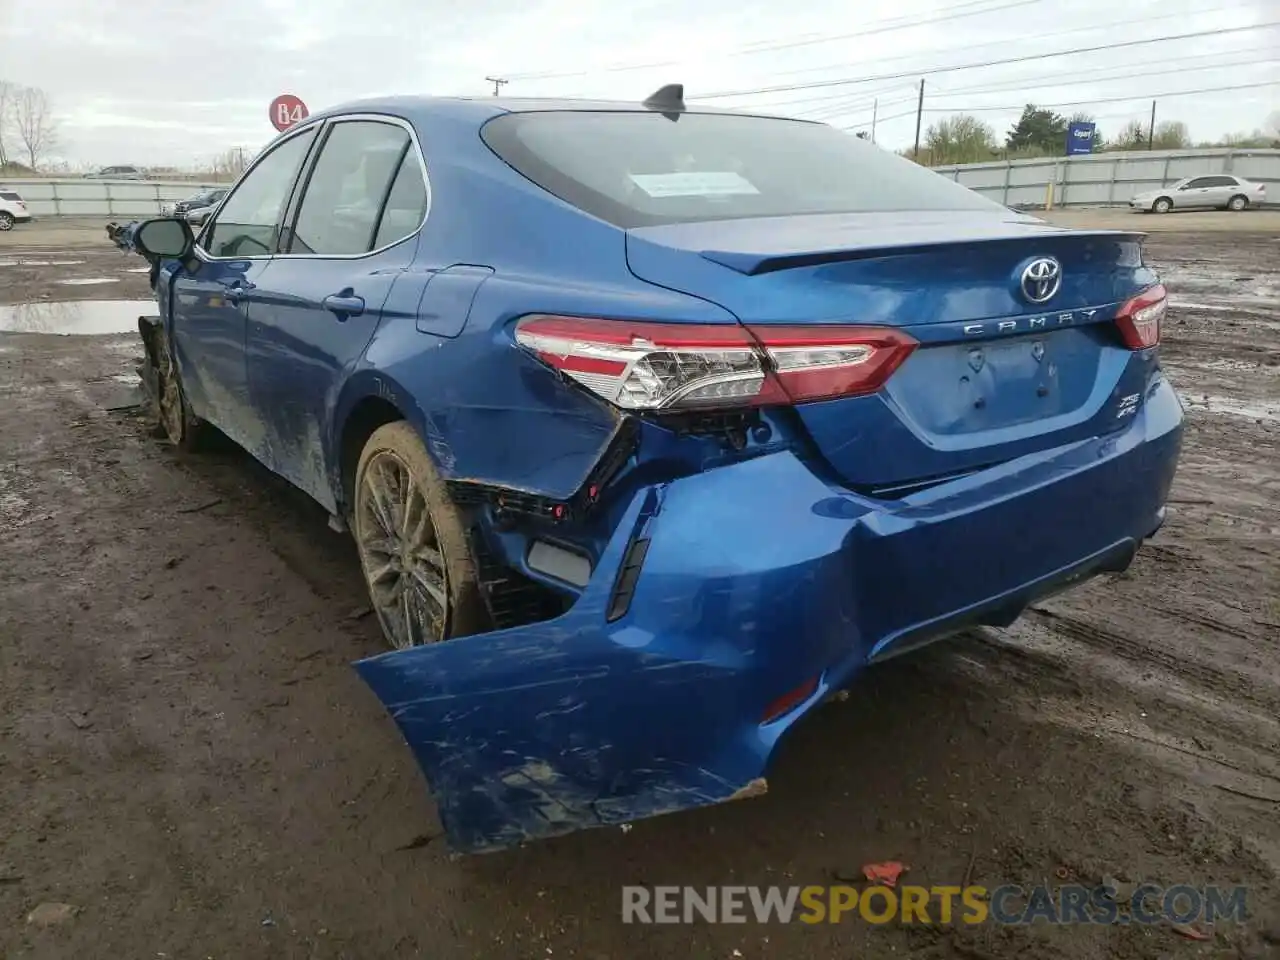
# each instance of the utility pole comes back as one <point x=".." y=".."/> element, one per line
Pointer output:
<point x="875" y="109"/>
<point x="1151" y="130"/>
<point x="915" y="154"/>
<point x="498" y="84"/>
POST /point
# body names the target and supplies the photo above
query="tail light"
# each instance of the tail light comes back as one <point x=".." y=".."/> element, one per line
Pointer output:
<point x="1139" y="319"/>
<point x="672" y="367"/>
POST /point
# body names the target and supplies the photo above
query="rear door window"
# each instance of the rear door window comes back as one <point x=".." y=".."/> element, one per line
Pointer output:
<point x="406" y="204"/>
<point x="636" y="168"/>
<point x="348" y="186"/>
<point x="10" y="196"/>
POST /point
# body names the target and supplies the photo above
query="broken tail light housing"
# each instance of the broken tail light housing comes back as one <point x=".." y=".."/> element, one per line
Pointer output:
<point x="1139" y="318"/>
<point x="643" y="366"/>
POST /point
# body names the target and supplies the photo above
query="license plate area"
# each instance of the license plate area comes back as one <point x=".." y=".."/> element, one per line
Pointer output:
<point x="954" y="389"/>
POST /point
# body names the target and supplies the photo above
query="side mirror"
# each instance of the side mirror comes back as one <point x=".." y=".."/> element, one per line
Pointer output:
<point x="164" y="237"/>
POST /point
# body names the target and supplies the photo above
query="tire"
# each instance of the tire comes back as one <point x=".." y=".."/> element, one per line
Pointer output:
<point x="1238" y="202"/>
<point x="6" y="221"/>
<point x="176" y="423"/>
<point x="1162" y="205"/>
<point x="417" y="562"/>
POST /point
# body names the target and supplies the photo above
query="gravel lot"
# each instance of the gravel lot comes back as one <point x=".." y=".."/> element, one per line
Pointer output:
<point x="188" y="760"/>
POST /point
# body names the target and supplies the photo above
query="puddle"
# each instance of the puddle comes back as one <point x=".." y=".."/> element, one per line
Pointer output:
<point x="75" y="316"/>
<point x="1252" y="410"/>
<point x="86" y="281"/>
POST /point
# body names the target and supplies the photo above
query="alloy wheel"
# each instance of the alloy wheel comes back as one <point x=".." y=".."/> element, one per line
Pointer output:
<point x="6" y="221"/>
<point x="400" y="553"/>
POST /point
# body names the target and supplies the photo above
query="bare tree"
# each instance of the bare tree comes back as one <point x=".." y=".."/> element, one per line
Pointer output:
<point x="1271" y="126"/>
<point x="230" y="164"/>
<point x="33" y="118"/>
<point x="6" y="95"/>
<point x="960" y="139"/>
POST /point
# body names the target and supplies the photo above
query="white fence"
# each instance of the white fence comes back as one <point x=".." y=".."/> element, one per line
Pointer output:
<point x="100" y="198"/>
<point x="1091" y="180"/>
<point x="1101" y="179"/>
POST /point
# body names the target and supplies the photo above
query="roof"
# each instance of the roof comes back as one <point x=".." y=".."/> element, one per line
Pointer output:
<point x="479" y="109"/>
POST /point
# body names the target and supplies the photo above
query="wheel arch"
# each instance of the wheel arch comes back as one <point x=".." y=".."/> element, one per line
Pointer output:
<point x="369" y="400"/>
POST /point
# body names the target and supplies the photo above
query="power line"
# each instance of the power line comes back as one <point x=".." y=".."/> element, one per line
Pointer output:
<point x="861" y="103"/>
<point x="957" y="12"/>
<point x="1168" y="95"/>
<point x="1095" y="28"/>
<point x="820" y="84"/>
<point x="1075" y="103"/>
<point x="1023" y="85"/>
<point x="1086" y="103"/>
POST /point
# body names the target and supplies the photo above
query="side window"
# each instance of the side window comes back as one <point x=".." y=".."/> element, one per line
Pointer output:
<point x="1199" y="182"/>
<point x="246" y="224"/>
<point x="344" y="195"/>
<point x="406" y="203"/>
<point x="1223" y="181"/>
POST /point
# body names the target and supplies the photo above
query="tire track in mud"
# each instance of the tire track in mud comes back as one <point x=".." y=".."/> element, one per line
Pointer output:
<point x="1172" y="660"/>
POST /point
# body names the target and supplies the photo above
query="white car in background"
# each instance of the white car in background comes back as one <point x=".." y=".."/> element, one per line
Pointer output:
<point x="12" y="210"/>
<point x="1217" y="191"/>
<point x="116" y="173"/>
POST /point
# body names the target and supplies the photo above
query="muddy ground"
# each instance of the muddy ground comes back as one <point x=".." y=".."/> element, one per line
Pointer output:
<point x="187" y="759"/>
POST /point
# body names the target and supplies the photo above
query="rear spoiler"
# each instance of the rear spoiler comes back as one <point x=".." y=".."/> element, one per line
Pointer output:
<point x="902" y="242"/>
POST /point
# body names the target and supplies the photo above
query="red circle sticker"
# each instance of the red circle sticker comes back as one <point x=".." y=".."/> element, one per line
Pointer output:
<point x="287" y="110"/>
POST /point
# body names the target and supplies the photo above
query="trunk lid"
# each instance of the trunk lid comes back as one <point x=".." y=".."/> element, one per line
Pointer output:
<point x="996" y="375"/>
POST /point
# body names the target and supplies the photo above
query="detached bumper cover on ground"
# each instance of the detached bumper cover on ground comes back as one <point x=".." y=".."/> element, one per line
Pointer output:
<point x="759" y="580"/>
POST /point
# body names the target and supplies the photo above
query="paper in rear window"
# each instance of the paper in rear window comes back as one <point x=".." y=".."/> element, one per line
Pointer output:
<point x="636" y="168"/>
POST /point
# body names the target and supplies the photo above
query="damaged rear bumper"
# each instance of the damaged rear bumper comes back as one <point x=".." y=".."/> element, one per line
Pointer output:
<point x="727" y="605"/>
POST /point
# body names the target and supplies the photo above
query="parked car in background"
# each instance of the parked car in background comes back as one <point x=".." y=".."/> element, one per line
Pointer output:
<point x="1219" y="191"/>
<point x="195" y="208"/>
<point x="657" y="425"/>
<point x="116" y="173"/>
<point x="12" y="210"/>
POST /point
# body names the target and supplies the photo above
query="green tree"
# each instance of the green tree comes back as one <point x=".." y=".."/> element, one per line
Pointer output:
<point x="1040" y="129"/>
<point x="960" y="139"/>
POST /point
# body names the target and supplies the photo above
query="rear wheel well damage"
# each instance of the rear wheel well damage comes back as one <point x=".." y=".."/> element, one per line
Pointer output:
<point x="512" y="599"/>
<point x="367" y="416"/>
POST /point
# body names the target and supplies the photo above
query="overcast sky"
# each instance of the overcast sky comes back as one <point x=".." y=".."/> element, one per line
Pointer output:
<point x="151" y="82"/>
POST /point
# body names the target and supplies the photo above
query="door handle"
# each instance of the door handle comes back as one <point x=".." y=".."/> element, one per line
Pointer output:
<point x="237" y="290"/>
<point x="344" y="304"/>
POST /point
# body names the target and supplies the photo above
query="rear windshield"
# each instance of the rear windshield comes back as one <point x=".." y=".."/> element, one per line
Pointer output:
<point x="9" y="196"/>
<point x="641" y="169"/>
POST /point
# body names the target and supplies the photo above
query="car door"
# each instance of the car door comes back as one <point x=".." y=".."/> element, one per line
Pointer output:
<point x="213" y="296"/>
<point x="1195" y="193"/>
<point x="1220" y="190"/>
<point x="350" y="235"/>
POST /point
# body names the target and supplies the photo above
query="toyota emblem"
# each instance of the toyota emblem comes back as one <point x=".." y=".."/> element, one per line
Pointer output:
<point x="1041" y="279"/>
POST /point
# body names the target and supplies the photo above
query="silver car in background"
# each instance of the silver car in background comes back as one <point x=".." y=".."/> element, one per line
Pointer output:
<point x="1219" y="191"/>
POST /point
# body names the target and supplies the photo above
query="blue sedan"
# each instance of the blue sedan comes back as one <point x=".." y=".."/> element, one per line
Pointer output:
<point x="654" y="425"/>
